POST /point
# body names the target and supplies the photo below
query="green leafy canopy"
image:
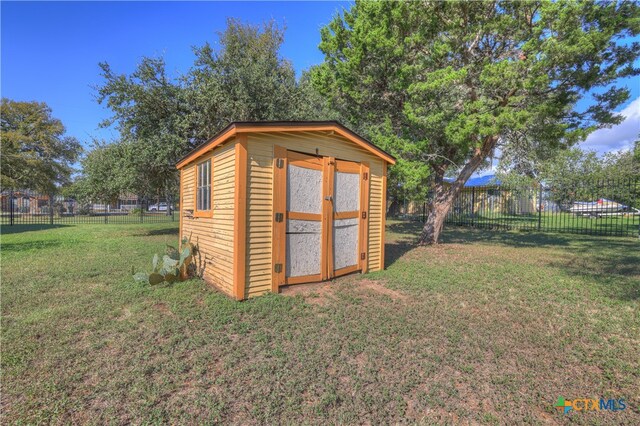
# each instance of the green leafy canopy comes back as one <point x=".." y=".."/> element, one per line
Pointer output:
<point x="160" y="118"/>
<point x="36" y="154"/>
<point x="454" y="80"/>
<point x="449" y="82"/>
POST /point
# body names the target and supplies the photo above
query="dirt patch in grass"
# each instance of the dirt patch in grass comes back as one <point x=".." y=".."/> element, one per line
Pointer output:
<point x="314" y="293"/>
<point x="378" y="288"/>
<point x="163" y="308"/>
<point x="126" y="314"/>
<point x="324" y="293"/>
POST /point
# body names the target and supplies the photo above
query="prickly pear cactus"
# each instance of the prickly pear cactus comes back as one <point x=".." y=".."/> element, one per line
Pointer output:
<point x="173" y="266"/>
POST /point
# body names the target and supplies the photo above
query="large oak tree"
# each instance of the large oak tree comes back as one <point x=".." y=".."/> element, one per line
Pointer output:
<point x="448" y="83"/>
<point x="36" y="154"/>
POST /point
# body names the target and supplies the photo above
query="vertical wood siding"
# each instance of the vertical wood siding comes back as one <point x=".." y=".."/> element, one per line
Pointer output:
<point x="376" y="216"/>
<point x="214" y="236"/>
<point x="260" y="152"/>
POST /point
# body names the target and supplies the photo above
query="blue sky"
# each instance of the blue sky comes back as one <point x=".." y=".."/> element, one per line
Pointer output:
<point x="50" y="51"/>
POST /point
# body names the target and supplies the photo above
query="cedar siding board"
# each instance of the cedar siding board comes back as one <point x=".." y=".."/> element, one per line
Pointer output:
<point x="214" y="235"/>
<point x="243" y="206"/>
<point x="260" y="196"/>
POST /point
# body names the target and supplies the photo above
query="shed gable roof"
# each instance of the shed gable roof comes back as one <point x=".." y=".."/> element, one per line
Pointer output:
<point x="238" y="127"/>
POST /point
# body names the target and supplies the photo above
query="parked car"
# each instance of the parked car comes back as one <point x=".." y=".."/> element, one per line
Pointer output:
<point x="160" y="207"/>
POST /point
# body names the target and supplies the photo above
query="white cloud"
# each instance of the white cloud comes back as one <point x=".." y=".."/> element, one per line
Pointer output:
<point x="617" y="138"/>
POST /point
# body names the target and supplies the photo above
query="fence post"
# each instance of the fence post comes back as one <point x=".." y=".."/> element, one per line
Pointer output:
<point x="170" y="206"/>
<point x="636" y="184"/>
<point x="141" y="211"/>
<point x="51" y="208"/>
<point x="106" y="220"/>
<point x="540" y="207"/>
<point x="473" y="204"/>
<point x="11" y="207"/>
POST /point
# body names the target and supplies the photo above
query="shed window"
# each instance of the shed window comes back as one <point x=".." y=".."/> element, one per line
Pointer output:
<point x="203" y="186"/>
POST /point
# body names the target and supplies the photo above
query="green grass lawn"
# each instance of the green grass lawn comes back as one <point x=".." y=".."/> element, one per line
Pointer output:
<point x="628" y="225"/>
<point x="486" y="328"/>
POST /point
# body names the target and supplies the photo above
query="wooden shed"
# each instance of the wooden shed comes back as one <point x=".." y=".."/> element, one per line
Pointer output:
<point x="278" y="203"/>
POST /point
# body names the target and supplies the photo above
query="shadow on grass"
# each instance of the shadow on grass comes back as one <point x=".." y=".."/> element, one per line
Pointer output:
<point x="460" y="235"/>
<point x="395" y="250"/>
<point x="155" y="232"/>
<point x="410" y="229"/>
<point x="625" y="291"/>
<point x="30" y="245"/>
<point x="17" y="229"/>
<point x="586" y="243"/>
<point x="612" y="263"/>
<point x="615" y="273"/>
<point x="466" y="235"/>
<point x="404" y="238"/>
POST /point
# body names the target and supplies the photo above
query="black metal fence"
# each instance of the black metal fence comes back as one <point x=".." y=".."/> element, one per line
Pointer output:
<point x="593" y="207"/>
<point x="21" y="207"/>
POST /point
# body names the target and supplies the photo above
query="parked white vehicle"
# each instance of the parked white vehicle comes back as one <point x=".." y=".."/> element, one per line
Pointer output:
<point x="599" y="208"/>
<point x="160" y="207"/>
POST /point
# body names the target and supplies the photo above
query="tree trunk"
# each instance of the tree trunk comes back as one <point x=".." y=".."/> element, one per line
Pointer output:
<point x="444" y="195"/>
<point x="392" y="210"/>
<point x="438" y="209"/>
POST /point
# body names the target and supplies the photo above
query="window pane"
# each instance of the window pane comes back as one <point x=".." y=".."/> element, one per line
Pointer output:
<point x="208" y="185"/>
<point x="203" y="199"/>
<point x="206" y="174"/>
<point x="203" y="186"/>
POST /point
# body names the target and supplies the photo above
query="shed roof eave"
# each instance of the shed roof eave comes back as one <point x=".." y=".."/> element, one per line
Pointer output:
<point x="282" y="126"/>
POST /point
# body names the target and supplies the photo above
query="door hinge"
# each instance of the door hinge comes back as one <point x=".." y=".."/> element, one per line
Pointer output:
<point x="277" y="267"/>
<point x="279" y="217"/>
<point x="364" y="215"/>
<point x="280" y="163"/>
<point x="363" y="256"/>
<point x="365" y="176"/>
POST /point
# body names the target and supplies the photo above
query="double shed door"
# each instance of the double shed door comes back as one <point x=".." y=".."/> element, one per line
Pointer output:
<point x="320" y="217"/>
